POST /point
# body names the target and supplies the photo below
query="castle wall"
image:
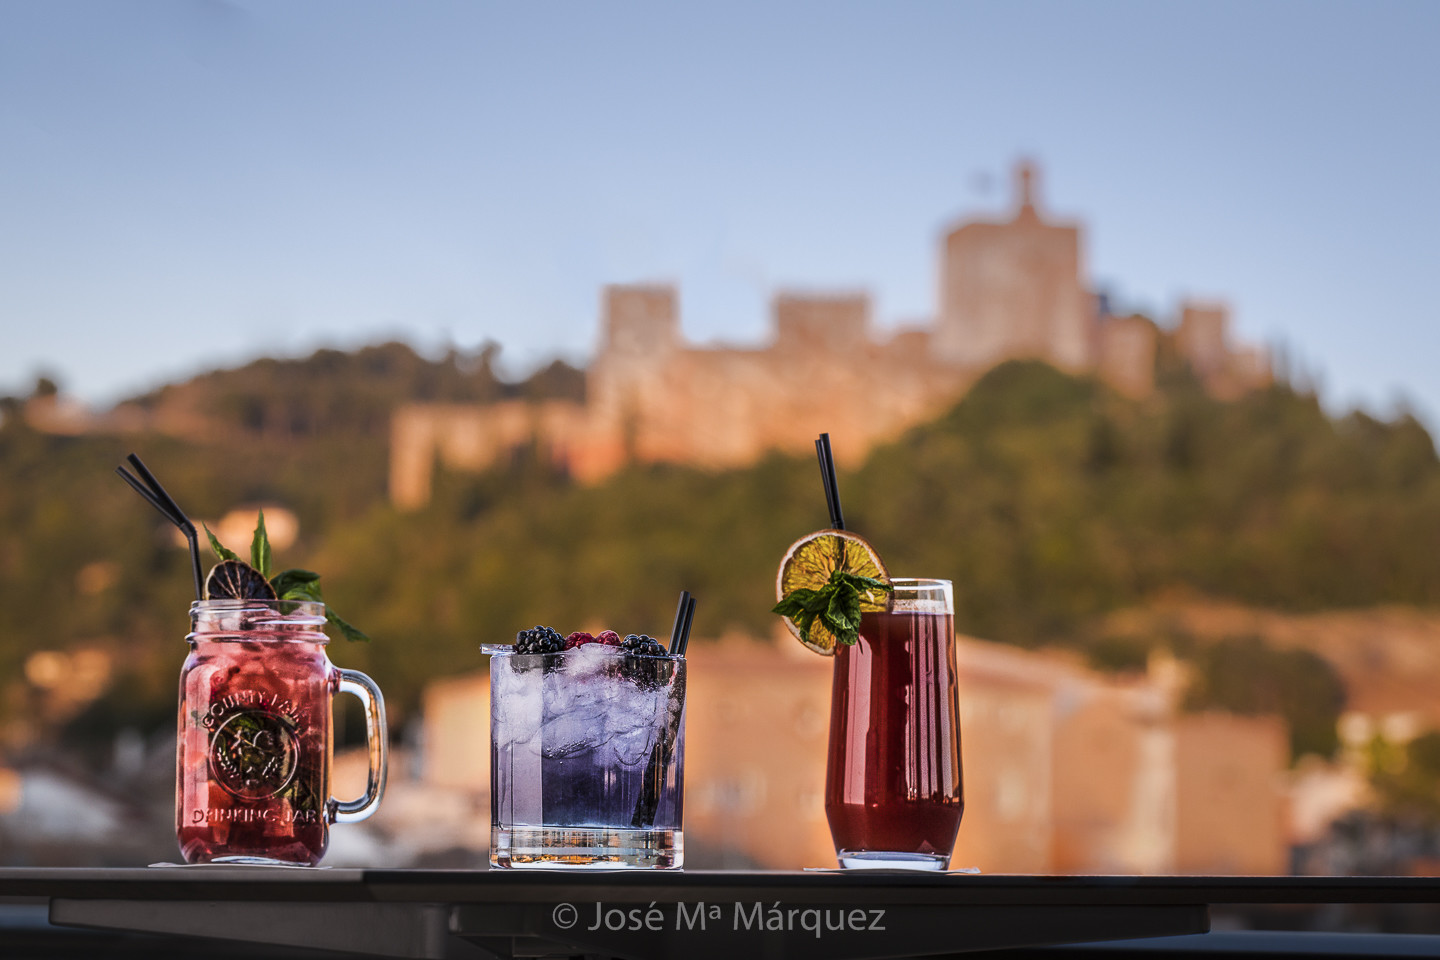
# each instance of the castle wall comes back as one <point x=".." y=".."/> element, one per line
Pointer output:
<point x="718" y="407"/>
<point x="1009" y="290"/>
<point x="472" y="437"/>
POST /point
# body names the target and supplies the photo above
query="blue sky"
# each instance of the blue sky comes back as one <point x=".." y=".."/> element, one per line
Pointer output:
<point x="189" y="184"/>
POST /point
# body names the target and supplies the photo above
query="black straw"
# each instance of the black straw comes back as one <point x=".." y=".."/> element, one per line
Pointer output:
<point x="679" y="649"/>
<point x="827" y="477"/>
<point x="679" y="622"/>
<point x="653" y="780"/>
<point x="156" y="496"/>
<point x="144" y="491"/>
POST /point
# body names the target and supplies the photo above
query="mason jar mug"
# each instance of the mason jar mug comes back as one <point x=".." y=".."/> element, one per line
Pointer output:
<point x="256" y="735"/>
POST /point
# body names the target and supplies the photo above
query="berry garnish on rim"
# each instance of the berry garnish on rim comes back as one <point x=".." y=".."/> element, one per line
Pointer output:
<point x="640" y="645"/>
<point x="539" y="639"/>
<point x="578" y="639"/>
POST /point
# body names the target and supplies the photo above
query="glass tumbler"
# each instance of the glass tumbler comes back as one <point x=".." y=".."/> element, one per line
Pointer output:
<point x="893" y="786"/>
<point x="256" y="735"/>
<point x="587" y="759"/>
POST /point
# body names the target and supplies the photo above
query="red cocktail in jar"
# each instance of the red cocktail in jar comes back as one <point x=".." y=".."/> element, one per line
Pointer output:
<point x="255" y="735"/>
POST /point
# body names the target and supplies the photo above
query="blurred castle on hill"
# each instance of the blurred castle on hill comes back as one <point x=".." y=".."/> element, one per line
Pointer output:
<point x="1011" y="289"/>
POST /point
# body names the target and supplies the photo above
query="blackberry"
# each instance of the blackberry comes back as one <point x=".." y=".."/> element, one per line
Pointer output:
<point x="642" y="646"/>
<point x="539" y="640"/>
<point x="645" y="662"/>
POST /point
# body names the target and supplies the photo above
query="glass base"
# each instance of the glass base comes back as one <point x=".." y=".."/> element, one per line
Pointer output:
<point x="257" y="862"/>
<point x="890" y="860"/>
<point x="586" y="848"/>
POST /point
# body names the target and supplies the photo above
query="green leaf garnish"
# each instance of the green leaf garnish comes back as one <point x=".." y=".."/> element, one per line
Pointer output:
<point x="305" y="585"/>
<point x="352" y="633"/>
<point x="297" y="585"/>
<point x="221" y="551"/>
<point x="293" y="584"/>
<point x="836" y="605"/>
<point x="260" y="548"/>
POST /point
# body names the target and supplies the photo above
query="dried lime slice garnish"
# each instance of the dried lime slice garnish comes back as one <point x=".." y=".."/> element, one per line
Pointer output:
<point x="809" y="565"/>
<point x="237" y="580"/>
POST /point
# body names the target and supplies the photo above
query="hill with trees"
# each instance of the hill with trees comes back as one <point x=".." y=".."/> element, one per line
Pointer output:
<point x="1047" y="499"/>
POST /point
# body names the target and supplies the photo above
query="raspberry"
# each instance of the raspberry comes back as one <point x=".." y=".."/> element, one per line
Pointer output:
<point x="539" y="640"/>
<point x="578" y="639"/>
<point x="608" y="637"/>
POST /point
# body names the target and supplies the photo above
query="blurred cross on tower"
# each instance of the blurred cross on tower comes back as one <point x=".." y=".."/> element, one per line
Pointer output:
<point x="1025" y="178"/>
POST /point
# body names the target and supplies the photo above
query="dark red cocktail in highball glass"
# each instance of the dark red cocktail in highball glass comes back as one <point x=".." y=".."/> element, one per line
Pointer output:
<point x="893" y="791"/>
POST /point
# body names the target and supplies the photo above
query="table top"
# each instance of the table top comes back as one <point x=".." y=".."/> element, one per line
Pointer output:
<point x="640" y="914"/>
<point x="326" y="884"/>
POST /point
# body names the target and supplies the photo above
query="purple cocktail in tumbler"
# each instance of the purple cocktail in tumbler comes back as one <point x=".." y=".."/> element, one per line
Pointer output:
<point x="587" y="758"/>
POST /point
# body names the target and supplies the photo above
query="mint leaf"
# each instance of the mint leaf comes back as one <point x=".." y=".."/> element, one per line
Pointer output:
<point x="870" y="588"/>
<point x="305" y="585"/>
<point x="836" y="605"/>
<point x="297" y="585"/>
<point x="803" y="600"/>
<point x="353" y="634"/>
<point x="842" y="614"/>
<point x="220" y="550"/>
<point x="260" y="548"/>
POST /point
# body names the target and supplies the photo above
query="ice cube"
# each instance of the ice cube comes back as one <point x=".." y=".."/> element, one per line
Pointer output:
<point x="634" y="722"/>
<point x="574" y="714"/>
<point x="517" y="700"/>
<point x="590" y="662"/>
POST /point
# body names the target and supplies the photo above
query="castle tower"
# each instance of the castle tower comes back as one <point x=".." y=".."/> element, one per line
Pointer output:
<point x="838" y="324"/>
<point x="640" y="321"/>
<point x="1203" y="340"/>
<point x="628" y="381"/>
<point x="1202" y="337"/>
<point x="1013" y="290"/>
<point x="1126" y="354"/>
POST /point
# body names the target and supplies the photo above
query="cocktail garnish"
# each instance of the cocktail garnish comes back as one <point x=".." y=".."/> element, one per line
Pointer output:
<point x="260" y="547"/>
<point x="828" y="579"/>
<point x="578" y="639"/>
<point x="219" y="548"/>
<point x="539" y="639"/>
<point x="641" y="645"/>
<point x="233" y="578"/>
<point x="237" y="580"/>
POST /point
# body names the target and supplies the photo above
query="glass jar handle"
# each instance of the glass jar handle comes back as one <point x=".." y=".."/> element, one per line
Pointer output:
<point x="376" y="738"/>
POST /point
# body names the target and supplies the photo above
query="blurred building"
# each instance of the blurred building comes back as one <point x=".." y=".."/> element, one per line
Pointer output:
<point x="1066" y="770"/>
<point x="1009" y="289"/>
